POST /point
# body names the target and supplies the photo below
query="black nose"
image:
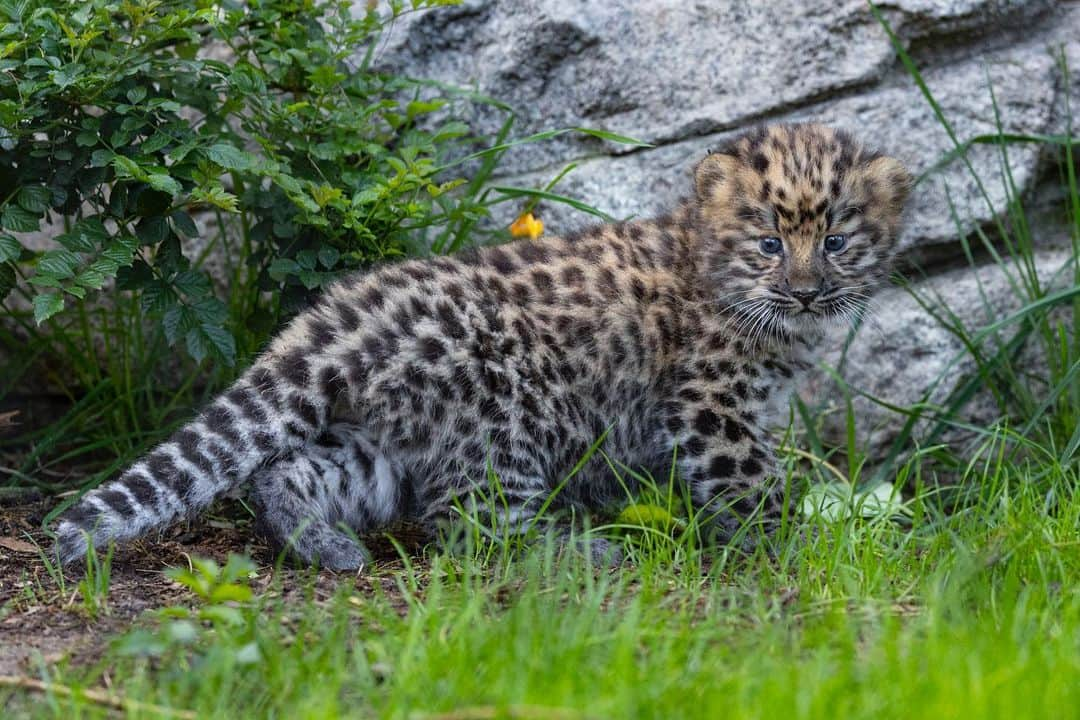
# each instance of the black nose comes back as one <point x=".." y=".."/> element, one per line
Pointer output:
<point x="805" y="296"/>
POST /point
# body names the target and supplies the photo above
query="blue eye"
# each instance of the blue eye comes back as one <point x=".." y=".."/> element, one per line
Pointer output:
<point x="835" y="243"/>
<point x="771" y="245"/>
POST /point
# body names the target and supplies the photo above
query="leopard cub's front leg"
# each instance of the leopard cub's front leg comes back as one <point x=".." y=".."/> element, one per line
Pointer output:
<point x="725" y="456"/>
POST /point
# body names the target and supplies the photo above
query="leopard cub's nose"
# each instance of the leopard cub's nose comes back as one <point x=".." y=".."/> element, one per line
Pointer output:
<point x="805" y="296"/>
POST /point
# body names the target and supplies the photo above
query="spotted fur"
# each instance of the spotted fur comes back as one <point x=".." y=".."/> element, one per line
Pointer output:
<point x="678" y="336"/>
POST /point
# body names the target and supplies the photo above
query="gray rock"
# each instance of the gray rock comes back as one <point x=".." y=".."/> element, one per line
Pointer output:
<point x="902" y="356"/>
<point x="896" y="119"/>
<point x="666" y="70"/>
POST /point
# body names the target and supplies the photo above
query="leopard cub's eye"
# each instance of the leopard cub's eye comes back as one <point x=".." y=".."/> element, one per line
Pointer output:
<point x="771" y="245"/>
<point x="835" y="243"/>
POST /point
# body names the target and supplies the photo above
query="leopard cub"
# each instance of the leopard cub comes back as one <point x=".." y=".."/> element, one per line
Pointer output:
<point x="679" y="336"/>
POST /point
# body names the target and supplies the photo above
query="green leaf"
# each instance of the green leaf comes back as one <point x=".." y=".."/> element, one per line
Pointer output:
<point x="101" y="158"/>
<point x="184" y="225"/>
<point x="514" y="192"/>
<point x="136" y="95"/>
<point x="152" y="230"/>
<point x="59" y="264"/>
<point x="105" y="266"/>
<point x="135" y="277"/>
<point x="34" y="198"/>
<point x="328" y="256"/>
<point x="157" y="297"/>
<point x="126" y="167"/>
<point x="48" y="281"/>
<point x="282" y="267"/>
<point x="121" y="250"/>
<point x="192" y="283"/>
<point x="289" y="184"/>
<point x="91" y="278"/>
<point x="837" y="501"/>
<point x="164" y="183"/>
<point x="154" y="143"/>
<point x="421" y="107"/>
<point x="222" y="614"/>
<point x="46" y="305"/>
<point x="196" y="343"/>
<point x="222" y="341"/>
<point x="230" y="158"/>
<point x="310" y="278"/>
<point x="231" y="592"/>
<point x="209" y="310"/>
<point x="66" y="75"/>
<point x="86" y="236"/>
<point x="10" y="249"/>
<point x="613" y="137"/>
<point x="87" y="138"/>
<point x="172" y="322"/>
<point x="16" y="219"/>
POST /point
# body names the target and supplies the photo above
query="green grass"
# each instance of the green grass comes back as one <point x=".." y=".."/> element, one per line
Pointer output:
<point x="972" y="614"/>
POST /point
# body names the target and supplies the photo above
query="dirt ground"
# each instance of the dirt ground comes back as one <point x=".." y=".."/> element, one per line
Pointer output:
<point x="42" y="621"/>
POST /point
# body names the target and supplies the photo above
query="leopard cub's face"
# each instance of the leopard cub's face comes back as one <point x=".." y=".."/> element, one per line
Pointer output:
<point x="801" y="225"/>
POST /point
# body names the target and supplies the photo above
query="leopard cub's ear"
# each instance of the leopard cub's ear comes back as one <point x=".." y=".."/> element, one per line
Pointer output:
<point x="894" y="179"/>
<point x="713" y="175"/>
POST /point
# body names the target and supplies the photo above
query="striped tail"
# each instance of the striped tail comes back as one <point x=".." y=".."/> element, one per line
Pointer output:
<point x="260" y="417"/>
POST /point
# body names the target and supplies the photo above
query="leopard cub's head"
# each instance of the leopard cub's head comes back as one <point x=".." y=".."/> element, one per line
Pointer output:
<point x="799" y="223"/>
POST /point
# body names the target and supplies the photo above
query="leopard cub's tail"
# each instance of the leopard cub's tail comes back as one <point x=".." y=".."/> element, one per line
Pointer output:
<point x="260" y="417"/>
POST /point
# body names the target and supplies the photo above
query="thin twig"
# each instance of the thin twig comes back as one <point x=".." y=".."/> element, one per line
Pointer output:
<point x="823" y="463"/>
<point x="95" y="696"/>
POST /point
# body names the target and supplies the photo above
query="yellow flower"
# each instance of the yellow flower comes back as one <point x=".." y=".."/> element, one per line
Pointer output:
<point x="527" y="226"/>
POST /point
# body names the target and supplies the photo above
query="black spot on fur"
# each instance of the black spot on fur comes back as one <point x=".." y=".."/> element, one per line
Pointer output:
<point x="501" y="261"/>
<point x="320" y="333"/>
<point x="332" y="385"/>
<point x="745" y="506"/>
<point x="707" y="423"/>
<point x="521" y="293"/>
<point x="244" y="399"/>
<point x="542" y="280"/>
<point x="146" y="493"/>
<point x="722" y="466"/>
<point x="373" y="299"/>
<point x="694" y="447"/>
<point x="220" y="421"/>
<point x="449" y="321"/>
<point x="118" y="502"/>
<point x="733" y="431"/>
<point x="750" y="466"/>
<point x="161" y="466"/>
<point x="724" y="400"/>
<point x="418" y="271"/>
<point x="741" y="390"/>
<point x="431" y="349"/>
<point x="350" y="319"/>
<point x="573" y="276"/>
<point x="188" y="442"/>
<point x="294" y="367"/>
<point x="532" y="252"/>
<point x="305" y="410"/>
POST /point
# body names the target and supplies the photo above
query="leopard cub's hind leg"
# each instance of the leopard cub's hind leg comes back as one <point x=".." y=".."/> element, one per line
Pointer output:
<point x="313" y="501"/>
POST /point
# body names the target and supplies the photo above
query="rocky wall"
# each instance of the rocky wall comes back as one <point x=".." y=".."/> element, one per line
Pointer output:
<point x="684" y="76"/>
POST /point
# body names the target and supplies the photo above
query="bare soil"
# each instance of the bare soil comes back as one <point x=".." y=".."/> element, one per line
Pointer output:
<point x="43" y="618"/>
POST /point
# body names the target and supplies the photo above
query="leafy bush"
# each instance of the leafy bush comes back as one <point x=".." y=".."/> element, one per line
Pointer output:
<point x="157" y="138"/>
<point x="127" y="118"/>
